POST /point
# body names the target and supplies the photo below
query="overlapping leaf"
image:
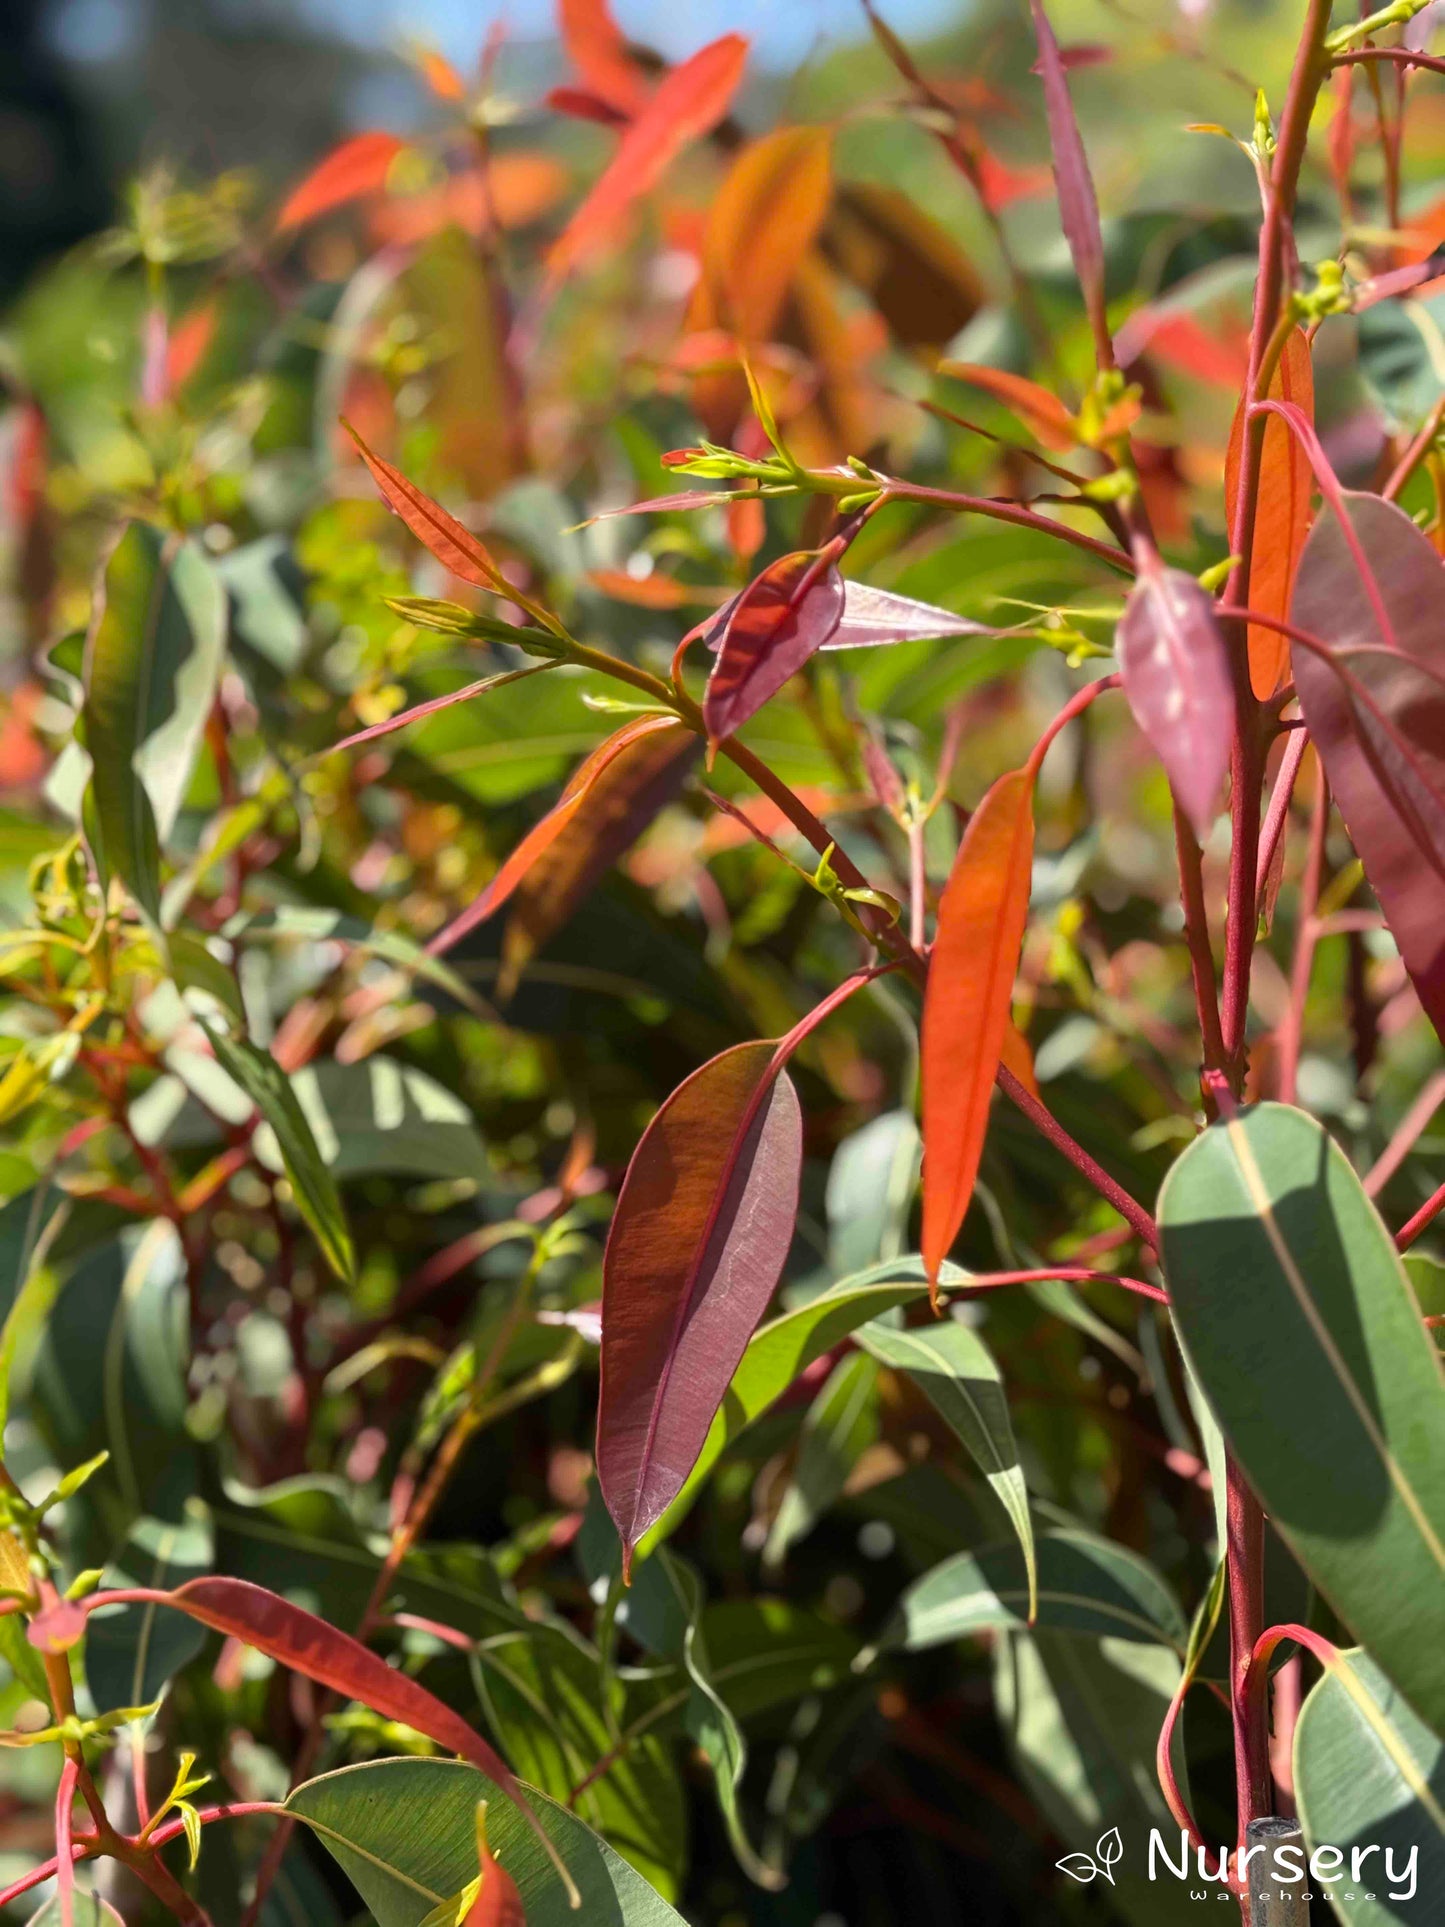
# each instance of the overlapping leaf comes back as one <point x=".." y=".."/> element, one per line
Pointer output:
<point x="690" y="101"/>
<point x="966" y="1011"/>
<point x="1375" y="704"/>
<point x="782" y="618"/>
<point x="1282" y="512"/>
<point x="1321" y="1374"/>
<point x="697" y="1245"/>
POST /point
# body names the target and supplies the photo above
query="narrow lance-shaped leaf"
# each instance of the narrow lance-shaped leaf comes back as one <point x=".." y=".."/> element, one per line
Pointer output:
<point x="1045" y="415"/>
<point x="312" y="1185"/>
<point x="966" y="1009"/>
<point x="358" y="166"/>
<point x="1375" y="705"/>
<point x="1321" y="1374"/>
<point x="958" y="1373"/>
<point x="299" y="1640"/>
<point x="449" y="540"/>
<point x="691" y="100"/>
<point x="782" y="618"/>
<point x="598" y="49"/>
<point x="697" y="1245"/>
<point x="497" y="1904"/>
<point x="1369" y="1779"/>
<point x="540" y="838"/>
<point x="1078" y="203"/>
<point x="622" y="801"/>
<point x="1282" y="512"/>
<point x="1175" y="666"/>
<point x="152" y="659"/>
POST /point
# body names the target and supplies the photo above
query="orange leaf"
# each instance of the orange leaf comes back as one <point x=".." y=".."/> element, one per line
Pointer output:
<point x="762" y="221"/>
<point x="358" y="166"/>
<point x="513" y="190"/>
<point x="966" y="1010"/>
<point x="453" y="545"/>
<point x="689" y="103"/>
<point x="1018" y="1058"/>
<point x="622" y="800"/>
<point x="440" y="75"/>
<point x="643" y="591"/>
<point x="542" y="835"/>
<point x="1282" y="518"/>
<point x="599" y="52"/>
<point x="1045" y="415"/>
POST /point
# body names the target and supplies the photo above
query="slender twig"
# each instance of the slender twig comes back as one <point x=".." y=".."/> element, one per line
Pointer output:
<point x="1048" y="1126"/>
<point x="1425" y="1216"/>
<point x="1406" y="1134"/>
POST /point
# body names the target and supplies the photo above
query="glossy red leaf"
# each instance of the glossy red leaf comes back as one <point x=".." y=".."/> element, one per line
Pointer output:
<point x="598" y="50"/>
<point x="1078" y="203"/>
<point x="543" y="835"/>
<point x="299" y="1640"/>
<point x="358" y="166"/>
<point x="971" y="974"/>
<point x="1046" y="416"/>
<point x="622" y="800"/>
<point x="766" y="634"/>
<point x="1282" y="516"/>
<point x="1175" y="664"/>
<point x="689" y="103"/>
<point x="697" y="1245"/>
<point x="1375" y="705"/>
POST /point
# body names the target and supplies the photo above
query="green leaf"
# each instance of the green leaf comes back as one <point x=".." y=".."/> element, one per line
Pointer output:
<point x="314" y="1188"/>
<point x="952" y="1365"/>
<point x="1082" y="1717"/>
<point x="131" y="1654"/>
<point x="405" y="1834"/>
<point x="1085" y="1585"/>
<point x="871" y="1182"/>
<point x="839" y="1426"/>
<point x="786" y="1346"/>
<point x="556" y="1718"/>
<point x="1402" y="349"/>
<point x="1370" y="1775"/>
<point x="1300" y="1325"/>
<point x="152" y="660"/>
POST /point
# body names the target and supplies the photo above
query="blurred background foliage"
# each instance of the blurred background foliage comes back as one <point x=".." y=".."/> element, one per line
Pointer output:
<point x="170" y="350"/>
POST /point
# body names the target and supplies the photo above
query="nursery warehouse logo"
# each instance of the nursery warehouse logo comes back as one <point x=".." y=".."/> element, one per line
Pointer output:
<point x="1325" y="1867"/>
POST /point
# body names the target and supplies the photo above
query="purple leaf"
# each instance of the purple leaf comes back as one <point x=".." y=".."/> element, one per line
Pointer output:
<point x="872" y="616"/>
<point x="1375" y="705"/>
<point x="1078" y="203"/>
<point x="782" y="618"/>
<point x="697" y="1245"/>
<point x="1176" y="676"/>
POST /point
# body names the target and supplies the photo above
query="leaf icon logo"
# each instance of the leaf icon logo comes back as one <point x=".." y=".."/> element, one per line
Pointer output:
<point x="1100" y="1864"/>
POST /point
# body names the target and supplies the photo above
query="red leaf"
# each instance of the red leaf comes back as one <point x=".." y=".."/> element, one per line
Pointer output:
<point x="698" y="1241"/>
<point x="1375" y="705"/>
<point x="689" y="103"/>
<point x="966" y="1009"/>
<point x="599" y="52"/>
<point x="358" y="166"/>
<point x="1282" y="517"/>
<point x="542" y="835"/>
<point x="622" y="800"/>
<point x="1175" y="666"/>
<point x="783" y="616"/>
<point x="306" y="1644"/>
<point x="581" y="105"/>
<point x="454" y="546"/>
<point x="1047" y="418"/>
<point x="1078" y="203"/>
<point x="498" y="1904"/>
<point x="878" y="616"/>
<point x="692" y="498"/>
